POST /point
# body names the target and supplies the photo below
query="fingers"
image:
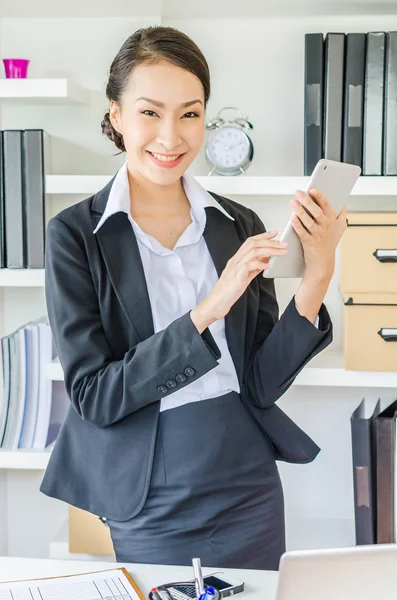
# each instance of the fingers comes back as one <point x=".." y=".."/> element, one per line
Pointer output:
<point x="300" y="229"/>
<point x="308" y="203"/>
<point x="322" y="201"/>
<point x="264" y="235"/>
<point x="262" y="253"/>
<point x="256" y="265"/>
<point x="256" y="241"/>
<point x="302" y="216"/>
<point x="314" y="199"/>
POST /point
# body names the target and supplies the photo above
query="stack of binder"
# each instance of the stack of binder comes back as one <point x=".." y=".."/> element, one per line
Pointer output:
<point x="350" y="100"/>
<point x="24" y="157"/>
<point x="373" y="432"/>
<point x="33" y="406"/>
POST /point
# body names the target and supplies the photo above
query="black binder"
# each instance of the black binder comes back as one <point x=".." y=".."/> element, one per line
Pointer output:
<point x="352" y="145"/>
<point x="364" y="471"/>
<point x="33" y="175"/>
<point x="390" y="106"/>
<point x="333" y="95"/>
<point x="385" y="425"/>
<point x="13" y="198"/>
<point x="2" y="211"/>
<point x="374" y="103"/>
<point x="314" y="94"/>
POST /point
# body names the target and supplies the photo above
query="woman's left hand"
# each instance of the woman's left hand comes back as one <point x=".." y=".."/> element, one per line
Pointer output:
<point x="319" y="229"/>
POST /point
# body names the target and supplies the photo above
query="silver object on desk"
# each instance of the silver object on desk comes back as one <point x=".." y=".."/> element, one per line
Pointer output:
<point x="198" y="576"/>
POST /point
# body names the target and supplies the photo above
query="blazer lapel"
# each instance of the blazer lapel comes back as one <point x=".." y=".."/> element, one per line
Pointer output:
<point x="120" y="251"/>
<point x="223" y="242"/>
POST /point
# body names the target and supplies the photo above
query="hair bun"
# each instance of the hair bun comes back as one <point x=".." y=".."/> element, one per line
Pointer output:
<point x="111" y="133"/>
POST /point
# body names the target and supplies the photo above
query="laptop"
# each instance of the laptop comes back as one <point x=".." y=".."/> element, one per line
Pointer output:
<point x="355" y="573"/>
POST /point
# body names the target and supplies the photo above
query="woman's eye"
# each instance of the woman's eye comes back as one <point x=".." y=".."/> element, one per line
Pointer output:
<point x="153" y="113"/>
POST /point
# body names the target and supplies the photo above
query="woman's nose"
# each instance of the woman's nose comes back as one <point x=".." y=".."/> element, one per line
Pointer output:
<point x="169" y="135"/>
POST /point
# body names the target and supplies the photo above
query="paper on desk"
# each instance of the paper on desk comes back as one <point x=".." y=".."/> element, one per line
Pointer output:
<point x="102" y="585"/>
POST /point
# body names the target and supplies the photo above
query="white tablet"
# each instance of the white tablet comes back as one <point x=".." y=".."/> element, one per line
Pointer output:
<point x="335" y="180"/>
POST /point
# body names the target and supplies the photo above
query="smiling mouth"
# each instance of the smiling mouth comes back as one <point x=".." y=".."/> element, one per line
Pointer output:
<point x="165" y="158"/>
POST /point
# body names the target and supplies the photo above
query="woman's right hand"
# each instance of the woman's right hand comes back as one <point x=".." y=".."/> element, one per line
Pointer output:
<point x="251" y="259"/>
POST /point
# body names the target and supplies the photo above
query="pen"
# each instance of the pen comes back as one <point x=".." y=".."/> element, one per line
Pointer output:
<point x="198" y="577"/>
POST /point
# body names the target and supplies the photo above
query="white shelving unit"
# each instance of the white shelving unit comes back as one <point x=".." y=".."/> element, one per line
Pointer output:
<point x="244" y="185"/>
<point x="234" y="46"/>
<point x="43" y="91"/>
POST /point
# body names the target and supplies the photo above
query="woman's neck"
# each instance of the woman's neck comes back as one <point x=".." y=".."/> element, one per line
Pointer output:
<point x="159" y="200"/>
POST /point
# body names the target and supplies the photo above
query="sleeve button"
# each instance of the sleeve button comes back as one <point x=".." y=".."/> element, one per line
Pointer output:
<point x="162" y="389"/>
<point x="171" y="383"/>
<point x="189" y="372"/>
<point x="180" y="378"/>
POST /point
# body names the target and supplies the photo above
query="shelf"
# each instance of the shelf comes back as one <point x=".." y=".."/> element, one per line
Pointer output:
<point x="239" y="185"/>
<point x="327" y="369"/>
<point x="25" y="459"/>
<point x="47" y="91"/>
<point x="21" y="277"/>
<point x="324" y="370"/>
<point x="286" y="186"/>
<point x="75" y="184"/>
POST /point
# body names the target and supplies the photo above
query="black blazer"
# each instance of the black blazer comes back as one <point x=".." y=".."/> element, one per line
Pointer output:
<point x="116" y="368"/>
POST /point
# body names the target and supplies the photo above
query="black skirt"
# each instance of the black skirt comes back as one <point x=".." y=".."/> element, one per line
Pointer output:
<point x="215" y="493"/>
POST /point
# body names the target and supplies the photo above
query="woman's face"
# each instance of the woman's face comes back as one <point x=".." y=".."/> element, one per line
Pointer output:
<point x="171" y="129"/>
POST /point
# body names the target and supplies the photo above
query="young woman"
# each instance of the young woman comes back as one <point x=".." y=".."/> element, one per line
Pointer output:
<point x="169" y="337"/>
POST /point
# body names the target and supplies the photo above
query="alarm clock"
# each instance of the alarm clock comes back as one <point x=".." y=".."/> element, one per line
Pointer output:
<point x="229" y="149"/>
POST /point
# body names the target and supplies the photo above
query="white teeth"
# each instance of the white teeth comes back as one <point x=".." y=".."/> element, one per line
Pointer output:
<point x="165" y="158"/>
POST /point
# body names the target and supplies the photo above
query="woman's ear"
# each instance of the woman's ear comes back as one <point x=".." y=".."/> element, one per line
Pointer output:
<point x="114" y="116"/>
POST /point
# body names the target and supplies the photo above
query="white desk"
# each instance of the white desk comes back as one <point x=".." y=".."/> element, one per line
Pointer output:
<point x="259" y="585"/>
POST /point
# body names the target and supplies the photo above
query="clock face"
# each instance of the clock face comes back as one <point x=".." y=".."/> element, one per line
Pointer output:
<point x="228" y="147"/>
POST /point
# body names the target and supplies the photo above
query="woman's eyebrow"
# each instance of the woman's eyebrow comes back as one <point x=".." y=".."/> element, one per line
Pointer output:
<point x="162" y="105"/>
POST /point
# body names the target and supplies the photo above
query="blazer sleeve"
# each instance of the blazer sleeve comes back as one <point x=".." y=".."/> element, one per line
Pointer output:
<point x="101" y="389"/>
<point x="282" y="346"/>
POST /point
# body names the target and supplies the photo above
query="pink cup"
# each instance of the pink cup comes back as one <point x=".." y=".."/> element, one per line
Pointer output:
<point x="16" y="68"/>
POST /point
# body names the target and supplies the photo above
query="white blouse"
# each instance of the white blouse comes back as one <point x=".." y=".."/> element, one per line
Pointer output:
<point x="178" y="280"/>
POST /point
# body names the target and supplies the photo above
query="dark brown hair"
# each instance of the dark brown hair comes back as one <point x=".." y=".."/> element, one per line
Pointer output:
<point x="150" y="45"/>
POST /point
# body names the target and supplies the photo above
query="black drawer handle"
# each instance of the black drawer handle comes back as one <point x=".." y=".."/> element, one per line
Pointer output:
<point x="386" y="256"/>
<point x="389" y="335"/>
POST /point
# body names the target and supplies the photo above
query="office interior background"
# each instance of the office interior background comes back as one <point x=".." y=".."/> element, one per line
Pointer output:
<point x="255" y="50"/>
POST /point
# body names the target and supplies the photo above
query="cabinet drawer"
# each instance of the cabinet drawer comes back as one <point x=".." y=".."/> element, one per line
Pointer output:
<point x="369" y="253"/>
<point x="370" y="332"/>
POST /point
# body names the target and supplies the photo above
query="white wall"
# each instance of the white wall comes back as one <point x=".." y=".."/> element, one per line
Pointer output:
<point x="256" y="65"/>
